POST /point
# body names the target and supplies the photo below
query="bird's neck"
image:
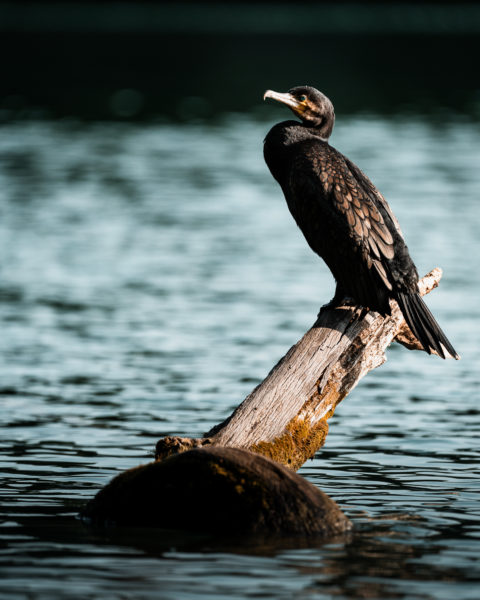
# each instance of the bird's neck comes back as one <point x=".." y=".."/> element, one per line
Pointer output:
<point x="279" y="143"/>
<point x="292" y="132"/>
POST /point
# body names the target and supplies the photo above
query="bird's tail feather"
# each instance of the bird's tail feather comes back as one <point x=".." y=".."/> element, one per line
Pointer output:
<point x="423" y="325"/>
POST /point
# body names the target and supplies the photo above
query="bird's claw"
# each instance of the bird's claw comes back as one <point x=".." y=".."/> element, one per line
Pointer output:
<point x="336" y="303"/>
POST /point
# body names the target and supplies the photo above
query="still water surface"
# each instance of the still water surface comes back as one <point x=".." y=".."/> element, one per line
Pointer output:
<point x="150" y="277"/>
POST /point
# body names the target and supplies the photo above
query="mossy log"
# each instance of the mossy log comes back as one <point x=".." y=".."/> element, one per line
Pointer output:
<point x="221" y="483"/>
<point x="285" y="417"/>
<point x="220" y="491"/>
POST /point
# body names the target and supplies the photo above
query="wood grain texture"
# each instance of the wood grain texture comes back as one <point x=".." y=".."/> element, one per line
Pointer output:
<point x="285" y="417"/>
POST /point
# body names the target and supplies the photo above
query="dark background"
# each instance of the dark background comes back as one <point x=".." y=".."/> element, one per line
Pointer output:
<point x="151" y="275"/>
<point x="138" y="60"/>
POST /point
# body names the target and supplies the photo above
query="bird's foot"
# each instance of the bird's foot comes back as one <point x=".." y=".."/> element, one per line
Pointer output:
<point x="336" y="302"/>
<point x="348" y="301"/>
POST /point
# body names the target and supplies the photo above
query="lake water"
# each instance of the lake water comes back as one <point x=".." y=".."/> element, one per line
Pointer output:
<point x="151" y="276"/>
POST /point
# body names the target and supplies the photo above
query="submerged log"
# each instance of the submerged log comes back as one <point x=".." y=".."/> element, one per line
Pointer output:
<point x="221" y="483"/>
<point x="285" y="417"/>
<point x="223" y="491"/>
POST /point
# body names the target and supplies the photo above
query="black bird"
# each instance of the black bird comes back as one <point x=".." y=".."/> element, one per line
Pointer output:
<point x="344" y="218"/>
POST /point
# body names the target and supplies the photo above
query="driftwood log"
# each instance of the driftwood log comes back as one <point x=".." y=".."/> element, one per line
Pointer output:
<point x="285" y="417"/>
<point x="221" y="491"/>
<point x="221" y="482"/>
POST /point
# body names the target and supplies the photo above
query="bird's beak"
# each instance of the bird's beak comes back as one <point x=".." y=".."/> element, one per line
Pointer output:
<point x="287" y="99"/>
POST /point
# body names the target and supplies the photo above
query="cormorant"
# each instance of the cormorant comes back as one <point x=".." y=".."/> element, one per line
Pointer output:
<point x="344" y="218"/>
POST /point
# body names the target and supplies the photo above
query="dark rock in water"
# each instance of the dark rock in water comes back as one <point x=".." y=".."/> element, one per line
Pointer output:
<point x="217" y="490"/>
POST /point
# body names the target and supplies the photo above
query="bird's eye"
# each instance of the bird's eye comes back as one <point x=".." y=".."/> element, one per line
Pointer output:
<point x="303" y="98"/>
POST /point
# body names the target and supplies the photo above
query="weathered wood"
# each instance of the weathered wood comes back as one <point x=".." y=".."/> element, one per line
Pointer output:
<point x="220" y="483"/>
<point x="285" y="417"/>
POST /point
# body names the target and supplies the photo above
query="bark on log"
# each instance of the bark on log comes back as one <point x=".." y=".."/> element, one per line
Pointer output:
<point x="285" y="417"/>
<point x="218" y="491"/>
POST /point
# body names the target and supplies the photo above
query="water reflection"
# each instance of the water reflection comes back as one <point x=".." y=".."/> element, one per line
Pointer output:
<point x="389" y="558"/>
<point x="150" y="277"/>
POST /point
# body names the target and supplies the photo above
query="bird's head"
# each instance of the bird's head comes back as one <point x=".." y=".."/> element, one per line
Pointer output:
<point x="313" y="107"/>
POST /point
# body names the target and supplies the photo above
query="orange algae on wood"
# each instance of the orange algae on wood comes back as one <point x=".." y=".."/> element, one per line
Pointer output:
<point x="285" y="416"/>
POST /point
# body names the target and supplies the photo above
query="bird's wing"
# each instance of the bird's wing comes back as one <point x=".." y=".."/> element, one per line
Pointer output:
<point x="372" y="191"/>
<point x="365" y="220"/>
<point x="345" y="194"/>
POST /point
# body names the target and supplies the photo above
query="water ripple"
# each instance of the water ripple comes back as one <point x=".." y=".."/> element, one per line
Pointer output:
<point x="150" y="278"/>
